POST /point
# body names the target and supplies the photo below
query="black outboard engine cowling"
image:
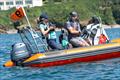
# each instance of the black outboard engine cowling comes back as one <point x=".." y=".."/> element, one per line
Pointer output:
<point x="19" y="53"/>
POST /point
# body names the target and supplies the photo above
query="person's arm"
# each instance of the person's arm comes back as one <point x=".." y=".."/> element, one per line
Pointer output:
<point x="73" y="31"/>
<point x="47" y="31"/>
<point x="44" y="32"/>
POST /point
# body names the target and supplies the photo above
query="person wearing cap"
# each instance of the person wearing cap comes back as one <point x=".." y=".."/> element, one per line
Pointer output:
<point x="73" y="27"/>
<point x="48" y="30"/>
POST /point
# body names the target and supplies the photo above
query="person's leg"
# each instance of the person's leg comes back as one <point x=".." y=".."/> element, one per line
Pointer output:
<point x="82" y="42"/>
<point x="78" y="42"/>
<point x="75" y="42"/>
<point x="70" y="46"/>
<point x="88" y="40"/>
<point x="54" y="45"/>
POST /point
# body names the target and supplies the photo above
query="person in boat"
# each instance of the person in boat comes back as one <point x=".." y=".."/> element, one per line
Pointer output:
<point x="48" y="30"/>
<point x="63" y="39"/>
<point x="95" y="33"/>
<point x="74" y="30"/>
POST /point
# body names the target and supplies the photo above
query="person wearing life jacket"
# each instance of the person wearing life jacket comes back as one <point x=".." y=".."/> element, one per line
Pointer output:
<point x="95" y="32"/>
<point x="48" y="30"/>
<point x="74" y="31"/>
<point x="63" y="39"/>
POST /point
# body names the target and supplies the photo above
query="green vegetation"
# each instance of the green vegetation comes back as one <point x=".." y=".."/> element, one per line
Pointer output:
<point x="58" y="11"/>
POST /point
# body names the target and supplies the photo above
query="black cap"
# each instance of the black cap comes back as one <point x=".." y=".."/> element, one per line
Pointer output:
<point x="73" y="14"/>
<point x="95" y="19"/>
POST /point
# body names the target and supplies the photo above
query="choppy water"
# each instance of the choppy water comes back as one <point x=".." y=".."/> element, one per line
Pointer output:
<point x="77" y="71"/>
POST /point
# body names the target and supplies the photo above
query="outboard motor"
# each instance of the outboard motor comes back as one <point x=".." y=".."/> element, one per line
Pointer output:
<point x="19" y="53"/>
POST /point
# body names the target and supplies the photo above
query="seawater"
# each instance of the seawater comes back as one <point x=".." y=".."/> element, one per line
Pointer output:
<point x="78" y="71"/>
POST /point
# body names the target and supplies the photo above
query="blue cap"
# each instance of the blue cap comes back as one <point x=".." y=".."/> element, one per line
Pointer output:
<point x="43" y="16"/>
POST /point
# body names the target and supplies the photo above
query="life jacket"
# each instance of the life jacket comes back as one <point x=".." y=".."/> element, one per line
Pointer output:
<point x="51" y="34"/>
<point x="102" y="39"/>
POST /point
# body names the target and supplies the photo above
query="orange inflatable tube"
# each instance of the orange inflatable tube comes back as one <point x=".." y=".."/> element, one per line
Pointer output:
<point x="9" y="64"/>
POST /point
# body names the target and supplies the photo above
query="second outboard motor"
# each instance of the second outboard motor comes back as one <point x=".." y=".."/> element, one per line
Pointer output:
<point x="19" y="53"/>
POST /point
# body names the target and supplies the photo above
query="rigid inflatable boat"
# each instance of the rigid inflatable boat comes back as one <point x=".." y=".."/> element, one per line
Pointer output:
<point x="83" y="54"/>
<point x="34" y="51"/>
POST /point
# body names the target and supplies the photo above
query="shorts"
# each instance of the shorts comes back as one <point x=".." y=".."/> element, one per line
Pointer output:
<point x="76" y="41"/>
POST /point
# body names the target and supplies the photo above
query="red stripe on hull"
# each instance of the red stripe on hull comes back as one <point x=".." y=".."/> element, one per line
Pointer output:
<point x="81" y="59"/>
